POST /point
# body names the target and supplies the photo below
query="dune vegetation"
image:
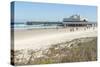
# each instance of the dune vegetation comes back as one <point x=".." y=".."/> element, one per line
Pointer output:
<point x="77" y="50"/>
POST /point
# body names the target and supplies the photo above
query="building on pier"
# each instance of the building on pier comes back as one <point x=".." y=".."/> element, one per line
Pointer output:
<point x="72" y="21"/>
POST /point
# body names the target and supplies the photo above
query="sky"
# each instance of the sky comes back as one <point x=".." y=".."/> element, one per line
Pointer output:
<point x="32" y="11"/>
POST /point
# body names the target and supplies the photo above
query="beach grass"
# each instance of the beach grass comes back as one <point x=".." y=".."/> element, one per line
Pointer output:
<point x="77" y="50"/>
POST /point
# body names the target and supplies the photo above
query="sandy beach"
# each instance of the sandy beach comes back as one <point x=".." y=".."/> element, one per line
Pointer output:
<point x="43" y="38"/>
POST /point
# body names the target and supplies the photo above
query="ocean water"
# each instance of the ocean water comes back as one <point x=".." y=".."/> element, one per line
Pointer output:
<point x="35" y="26"/>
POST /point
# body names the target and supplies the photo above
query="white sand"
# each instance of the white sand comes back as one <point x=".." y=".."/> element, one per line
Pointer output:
<point x="42" y="38"/>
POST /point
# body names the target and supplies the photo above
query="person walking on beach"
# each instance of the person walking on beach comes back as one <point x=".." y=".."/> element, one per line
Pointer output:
<point x="76" y="28"/>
